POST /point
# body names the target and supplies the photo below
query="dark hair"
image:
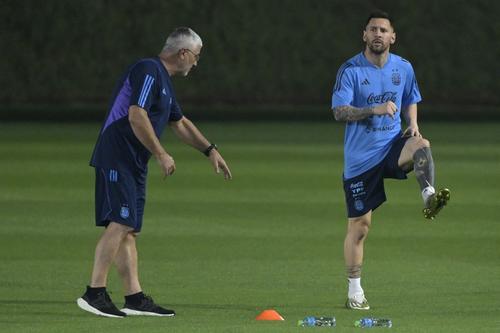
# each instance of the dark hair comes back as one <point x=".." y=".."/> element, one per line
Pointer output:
<point x="379" y="14"/>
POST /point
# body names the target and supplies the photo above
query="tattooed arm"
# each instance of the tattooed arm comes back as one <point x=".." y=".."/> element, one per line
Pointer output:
<point x="351" y="113"/>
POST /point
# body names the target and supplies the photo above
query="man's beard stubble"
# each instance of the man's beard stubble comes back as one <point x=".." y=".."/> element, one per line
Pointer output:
<point x="377" y="50"/>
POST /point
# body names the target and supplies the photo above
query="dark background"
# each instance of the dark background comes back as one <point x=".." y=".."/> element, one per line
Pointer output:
<point x="261" y="60"/>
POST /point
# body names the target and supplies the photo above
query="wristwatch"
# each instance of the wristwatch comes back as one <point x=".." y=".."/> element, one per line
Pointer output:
<point x="209" y="149"/>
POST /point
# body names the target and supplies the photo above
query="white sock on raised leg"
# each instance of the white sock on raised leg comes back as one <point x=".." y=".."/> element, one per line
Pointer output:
<point x="427" y="192"/>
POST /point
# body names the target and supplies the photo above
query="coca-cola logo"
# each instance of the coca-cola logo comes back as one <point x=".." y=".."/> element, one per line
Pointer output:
<point x="356" y="185"/>
<point x="382" y="98"/>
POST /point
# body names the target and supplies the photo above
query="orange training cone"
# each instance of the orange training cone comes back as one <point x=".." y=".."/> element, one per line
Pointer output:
<point x="269" y="315"/>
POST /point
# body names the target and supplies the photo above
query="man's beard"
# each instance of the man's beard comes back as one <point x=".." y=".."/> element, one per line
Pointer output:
<point x="379" y="49"/>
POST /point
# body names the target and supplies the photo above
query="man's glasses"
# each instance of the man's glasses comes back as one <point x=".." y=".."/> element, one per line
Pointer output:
<point x="196" y="56"/>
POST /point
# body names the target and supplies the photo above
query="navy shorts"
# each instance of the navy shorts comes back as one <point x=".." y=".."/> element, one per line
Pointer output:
<point x="366" y="191"/>
<point x="119" y="197"/>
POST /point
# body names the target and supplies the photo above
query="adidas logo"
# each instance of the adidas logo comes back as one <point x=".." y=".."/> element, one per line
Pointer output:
<point x="365" y="82"/>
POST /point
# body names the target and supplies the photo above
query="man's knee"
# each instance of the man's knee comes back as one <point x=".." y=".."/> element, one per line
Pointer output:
<point x="419" y="143"/>
<point x="407" y="157"/>
<point x="424" y="143"/>
<point x="359" y="227"/>
<point x="132" y="235"/>
<point x="119" y="228"/>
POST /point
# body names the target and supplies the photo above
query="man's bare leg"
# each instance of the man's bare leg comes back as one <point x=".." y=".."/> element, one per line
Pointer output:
<point x="106" y="251"/>
<point x="126" y="263"/>
<point x="357" y="231"/>
<point x="96" y="300"/>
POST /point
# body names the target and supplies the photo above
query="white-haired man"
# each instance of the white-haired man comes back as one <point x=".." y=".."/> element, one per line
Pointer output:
<point x="143" y="103"/>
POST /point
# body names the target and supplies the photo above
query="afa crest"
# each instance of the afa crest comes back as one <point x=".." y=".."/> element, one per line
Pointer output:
<point x="124" y="212"/>
<point x="396" y="78"/>
<point x="358" y="204"/>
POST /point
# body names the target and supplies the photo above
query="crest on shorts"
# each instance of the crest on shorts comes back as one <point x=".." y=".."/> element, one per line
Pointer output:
<point x="124" y="212"/>
<point x="358" y="204"/>
<point x="396" y="78"/>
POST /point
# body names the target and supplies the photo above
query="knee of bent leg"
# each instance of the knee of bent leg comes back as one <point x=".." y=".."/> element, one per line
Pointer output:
<point x="422" y="143"/>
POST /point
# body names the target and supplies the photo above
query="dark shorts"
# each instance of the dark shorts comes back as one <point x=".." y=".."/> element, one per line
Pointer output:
<point x="119" y="197"/>
<point x="366" y="191"/>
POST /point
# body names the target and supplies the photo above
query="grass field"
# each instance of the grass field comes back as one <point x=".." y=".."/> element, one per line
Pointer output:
<point x="220" y="252"/>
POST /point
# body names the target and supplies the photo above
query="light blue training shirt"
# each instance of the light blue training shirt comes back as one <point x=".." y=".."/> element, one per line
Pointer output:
<point x="361" y="84"/>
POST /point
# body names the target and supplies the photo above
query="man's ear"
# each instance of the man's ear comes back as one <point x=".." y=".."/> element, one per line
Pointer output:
<point x="393" y="38"/>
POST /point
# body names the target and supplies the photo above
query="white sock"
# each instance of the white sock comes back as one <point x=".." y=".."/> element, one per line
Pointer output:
<point x="354" y="287"/>
<point x="427" y="192"/>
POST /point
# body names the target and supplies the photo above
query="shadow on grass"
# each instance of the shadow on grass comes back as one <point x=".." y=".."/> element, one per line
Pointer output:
<point x="234" y="307"/>
<point x="33" y="302"/>
<point x="246" y="307"/>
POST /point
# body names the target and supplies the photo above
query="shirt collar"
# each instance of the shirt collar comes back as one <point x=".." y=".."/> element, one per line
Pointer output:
<point x="368" y="63"/>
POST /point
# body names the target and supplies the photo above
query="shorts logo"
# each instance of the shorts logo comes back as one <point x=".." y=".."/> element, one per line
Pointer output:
<point x="358" y="192"/>
<point x="357" y="189"/>
<point x="124" y="212"/>
<point x="358" y="204"/>
<point x="356" y="185"/>
<point x="113" y="176"/>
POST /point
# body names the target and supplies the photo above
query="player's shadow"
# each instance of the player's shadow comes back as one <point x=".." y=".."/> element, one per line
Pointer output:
<point x="34" y="308"/>
<point x="233" y="307"/>
<point x="33" y="302"/>
<point x="237" y="307"/>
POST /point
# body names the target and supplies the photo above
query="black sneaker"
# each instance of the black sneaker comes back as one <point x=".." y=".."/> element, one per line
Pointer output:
<point x="146" y="307"/>
<point x="100" y="304"/>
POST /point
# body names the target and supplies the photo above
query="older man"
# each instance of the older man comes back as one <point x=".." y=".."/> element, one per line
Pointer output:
<point x="143" y="103"/>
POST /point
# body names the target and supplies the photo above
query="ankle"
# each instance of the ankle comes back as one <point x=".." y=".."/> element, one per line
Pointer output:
<point x="427" y="193"/>
<point x="93" y="291"/>
<point x="134" y="298"/>
<point x="354" y="287"/>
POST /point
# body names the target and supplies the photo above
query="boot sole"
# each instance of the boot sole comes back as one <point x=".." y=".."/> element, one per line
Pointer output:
<point x="89" y="308"/>
<point x="131" y="312"/>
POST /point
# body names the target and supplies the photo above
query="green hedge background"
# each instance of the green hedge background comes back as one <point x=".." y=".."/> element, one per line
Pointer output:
<point x="282" y="54"/>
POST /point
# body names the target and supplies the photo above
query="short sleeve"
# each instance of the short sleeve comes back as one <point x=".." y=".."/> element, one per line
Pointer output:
<point x="411" y="93"/>
<point x="176" y="112"/>
<point x="343" y="91"/>
<point x="143" y="81"/>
